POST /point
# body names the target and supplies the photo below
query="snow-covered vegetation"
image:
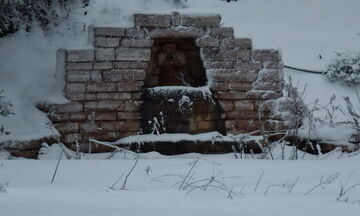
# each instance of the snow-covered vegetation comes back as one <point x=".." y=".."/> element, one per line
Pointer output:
<point x="345" y="68"/>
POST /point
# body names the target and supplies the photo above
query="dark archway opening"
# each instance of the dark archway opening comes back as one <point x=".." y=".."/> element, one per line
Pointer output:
<point x="176" y="99"/>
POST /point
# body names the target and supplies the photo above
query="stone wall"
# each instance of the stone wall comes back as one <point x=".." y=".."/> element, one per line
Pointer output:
<point x="105" y="84"/>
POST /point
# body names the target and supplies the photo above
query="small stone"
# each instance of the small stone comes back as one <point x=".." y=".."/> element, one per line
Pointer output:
<point x="113" y="96"/>
<point x="223" y="32"/>
<point x="129" y="86"/>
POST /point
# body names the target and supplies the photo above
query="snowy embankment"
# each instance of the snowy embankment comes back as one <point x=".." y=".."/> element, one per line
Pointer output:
<point x="303" y="30"/>
<point x="240" y="187"/>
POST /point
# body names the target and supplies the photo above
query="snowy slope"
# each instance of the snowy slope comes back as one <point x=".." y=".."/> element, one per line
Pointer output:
<point x="302" y="29"/>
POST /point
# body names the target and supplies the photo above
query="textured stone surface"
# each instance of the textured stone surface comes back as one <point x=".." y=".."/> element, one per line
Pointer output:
<point x="133" y="54"/>
<point x="106" y="42"/>
<point x="104" y="54"/>
<point x="109" y="31"/>
<point x="80" y="55"/>
<point x="140" y="43"/>
<point x="201" y="21"/>
<point x="152" y="20"/>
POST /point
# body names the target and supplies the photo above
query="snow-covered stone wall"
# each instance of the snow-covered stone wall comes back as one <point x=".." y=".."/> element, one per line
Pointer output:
<point x="105" y="84"/>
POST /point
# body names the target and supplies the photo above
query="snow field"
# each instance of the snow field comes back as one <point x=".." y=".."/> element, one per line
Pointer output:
<point x="81" y="187"/>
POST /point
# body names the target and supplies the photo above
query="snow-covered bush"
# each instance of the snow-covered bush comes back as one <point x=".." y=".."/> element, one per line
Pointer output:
<point x="20" y="14"/>
<point x="5" y="110"/>
<point x="345" y="68"/>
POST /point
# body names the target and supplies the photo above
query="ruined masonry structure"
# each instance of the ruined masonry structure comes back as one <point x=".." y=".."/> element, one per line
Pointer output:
<point x="120" y="87"/>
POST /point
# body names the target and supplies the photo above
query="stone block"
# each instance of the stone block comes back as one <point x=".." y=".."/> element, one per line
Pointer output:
<point x="231" y="95"/>
<point x="86" y="55"/>
<point x="268" y="86"/>
<point x="133" y="106"/>
<point x="179" y="32"/>
<point x="135" y="32"/>
<point x="68" y="107"/>
<point x="236" y="43"/>
<point x="137" y="43"/>
<point x="120" y="126"/>
<point x="205" y="125"/>
<point x="96" y="76"/>
<point x="103" y="65"/>
<point x="78" y="76"/>
<point x="269" y="55"/>
<point x="78" y="66"/>
<point x="226" y="105"/>
<point x="124" y="75"/>
<point x="80" y="116"/>
<point x="230" y="125"/>
<point x="130" y="65"/>
<point x="89" y="127"/>
<point x="248" y="66"/>
<point x="133" y="54"/>
<point x="113" y="96"/>
<point x="152" y="20"/>
<point x="102" y="116"/>
<point x="109" y="31"/>
<point x="129" y="86"/>
<point x="175" y="19"/>
<point x="104" y="105"/>
<point x="101" y="87"/>
<point x="230" y="75"/>
<point x="136" y="96"/>
<point x="274" y="65"/>
<point x="244" y="105"/>
<point x="104" y="54"/>
<point x="72" y="138"/>
<point x="247" y="125"/>
<point x="201" y="21"/>
<point x="219" y="65"/>
<point x="271" y="75"/>
<point x="219" y="86"/>
<point x="240" y="86"/>
<point x="74" y="87"/>
<point x="223" y="32"/>
<point x="242" y="114"/>
<point x="106" y="42"/>
<point x="128" y="116"/>
<point x="67" y="127"/>
<point x="207" y="42"/>
<point x="263" y="95"/>
<point x="59" y="117"/>
<point x="80" y="96"/>
<point x="243" y="55"/>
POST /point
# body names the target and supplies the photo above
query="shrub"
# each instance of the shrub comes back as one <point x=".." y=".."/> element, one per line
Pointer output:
<point x="345" y="68"/>
<point x="5" y="110"/>
<point x="20" y="14"/>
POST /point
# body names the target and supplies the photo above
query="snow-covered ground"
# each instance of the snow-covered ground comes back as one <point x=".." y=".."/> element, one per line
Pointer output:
<point x="81" y="187"/>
